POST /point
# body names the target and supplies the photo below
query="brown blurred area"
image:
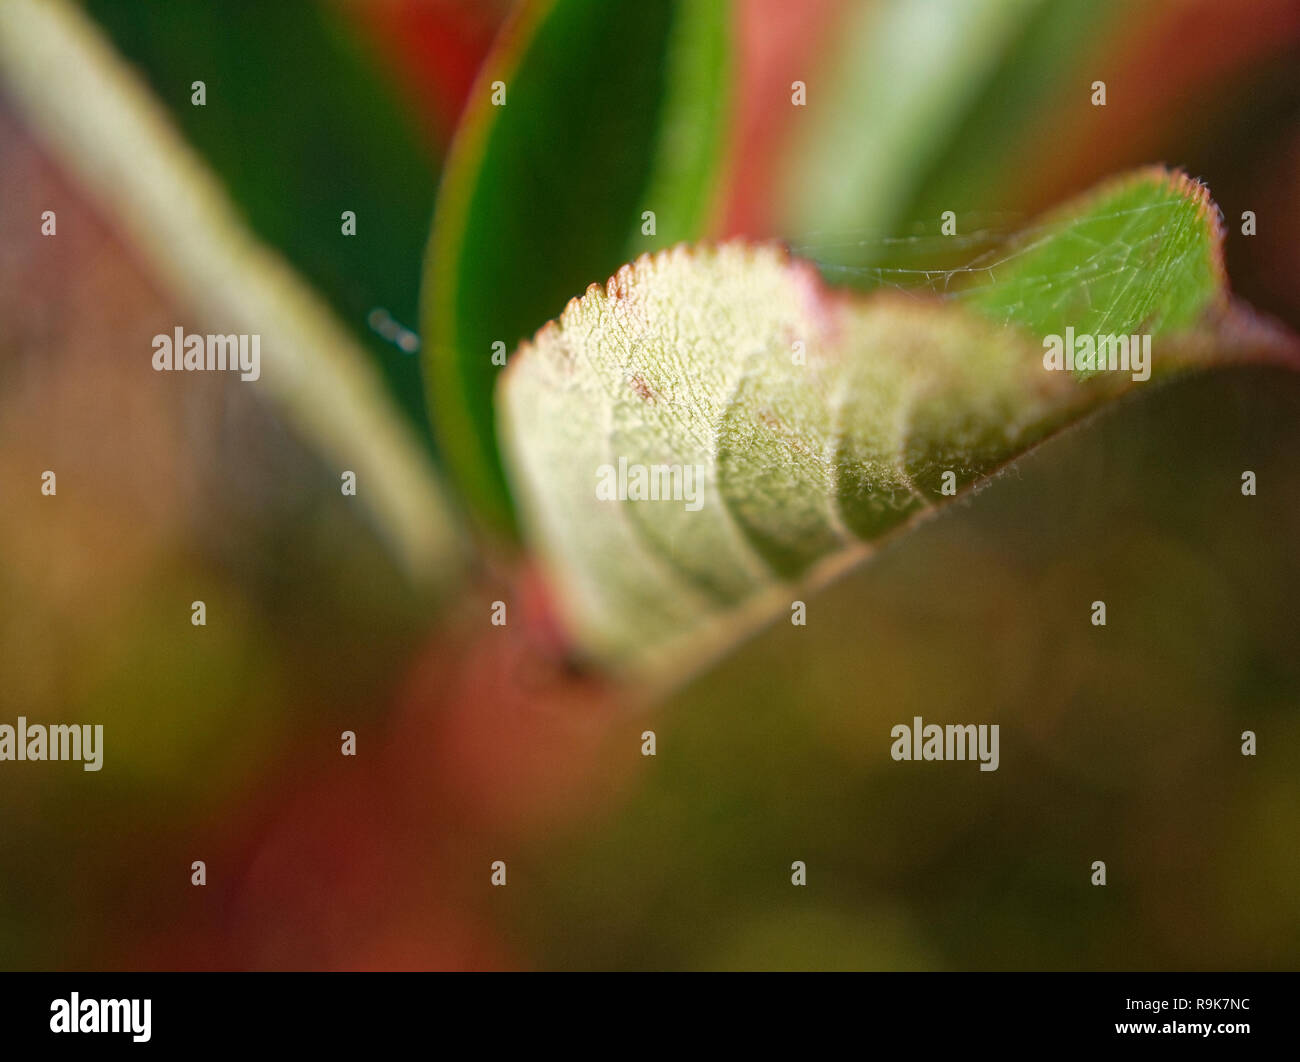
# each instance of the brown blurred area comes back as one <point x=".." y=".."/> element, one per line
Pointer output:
<point x="168" y="492"/>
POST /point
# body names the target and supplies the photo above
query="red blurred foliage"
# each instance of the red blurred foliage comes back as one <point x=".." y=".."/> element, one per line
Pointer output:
<point x="777" y="43"/>
<point x="1166" y="66"/>
<point x="499" y="723"/>
<point x="383" y="861"/>
<point x="436" y="48"/>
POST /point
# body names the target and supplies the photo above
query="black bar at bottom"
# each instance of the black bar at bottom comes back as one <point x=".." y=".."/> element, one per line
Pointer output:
<point x="1240" y="1013"/>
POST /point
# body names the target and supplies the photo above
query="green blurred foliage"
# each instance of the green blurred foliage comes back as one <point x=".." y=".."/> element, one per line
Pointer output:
<point x="610" y="111"/>
<point x="301" y="124"/>
<point x="1193" y="84"/>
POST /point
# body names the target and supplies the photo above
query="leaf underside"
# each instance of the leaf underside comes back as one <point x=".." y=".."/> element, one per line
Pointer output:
<point x="818" y="421"/>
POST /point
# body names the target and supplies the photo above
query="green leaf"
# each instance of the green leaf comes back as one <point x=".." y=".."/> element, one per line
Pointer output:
<point x="300" y="125"/>
<point x="1144" y="255"/>
<point x="610" y="111"/>
<point x="777" y="470"/>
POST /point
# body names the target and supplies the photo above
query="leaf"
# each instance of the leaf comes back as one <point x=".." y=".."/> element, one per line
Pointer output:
<point x="1144" y="255"/>
<point x="97" y="118"/>
<point x="610" y="110"/>
<point x="688" y="361"/>
<point x="301" y="125"/>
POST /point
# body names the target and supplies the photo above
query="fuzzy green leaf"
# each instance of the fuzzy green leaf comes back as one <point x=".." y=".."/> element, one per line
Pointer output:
<point x="1142" y="254"/>
<point x="784" y="426"/>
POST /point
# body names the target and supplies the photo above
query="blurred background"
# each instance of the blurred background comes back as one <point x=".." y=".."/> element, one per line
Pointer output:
<point x="475" y="743"/>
